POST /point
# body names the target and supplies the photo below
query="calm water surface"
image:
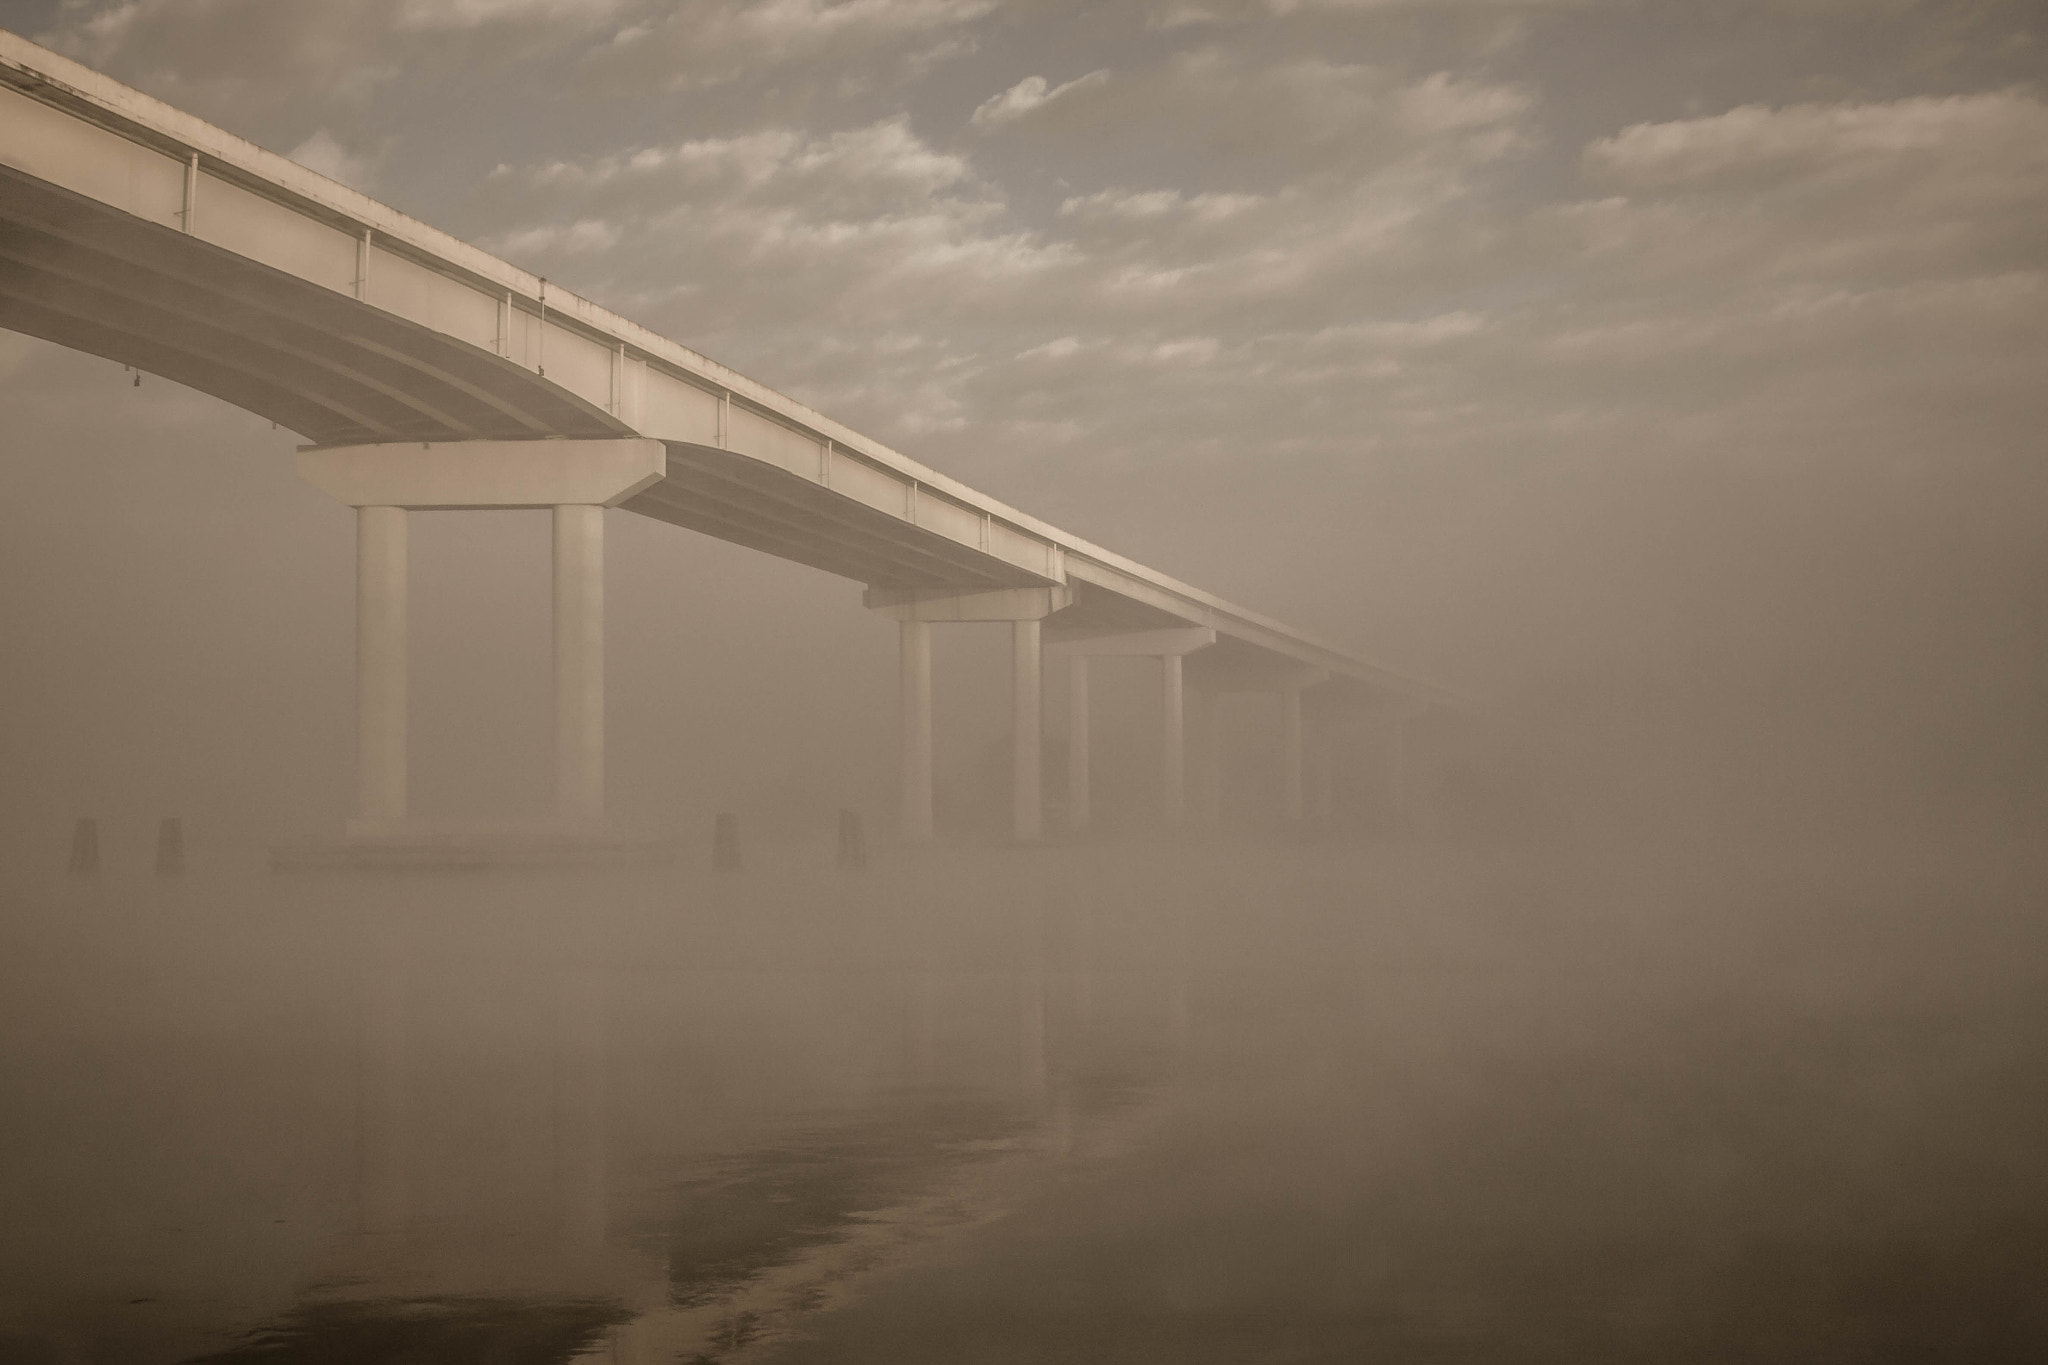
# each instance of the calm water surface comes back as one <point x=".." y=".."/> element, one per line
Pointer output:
<point x="1150" y="1105"/>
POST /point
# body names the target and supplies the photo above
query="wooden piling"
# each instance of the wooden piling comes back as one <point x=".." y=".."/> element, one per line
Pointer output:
<point x="853" y="846"/>
<point x="85" y="847"/>
<point x="725" y="843"/>
<point x="170" y="846"/>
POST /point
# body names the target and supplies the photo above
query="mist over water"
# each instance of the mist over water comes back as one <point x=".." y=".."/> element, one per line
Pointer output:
<point x="1430" y="1097"/>
<point x="1662" y="378"/>
<point x="1691" y="1009"/>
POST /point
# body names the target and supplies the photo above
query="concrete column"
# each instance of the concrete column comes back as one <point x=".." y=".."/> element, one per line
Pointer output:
<point x="1026" y="803"/>
<point x="1173" y="801"/>
<point x="380" y="664"/>
<point x="1209" y="755"/>
<point x="917" y="730"/>
<point x="1396" y="776"/>
<point x="1324" y="766"/>
<point x="579" y="661"/>
<point x="1290" y="754"/>
<point x="924" y="1004"/>
<point x="1031" y="1026"/>
<point x="1077" y="742"/>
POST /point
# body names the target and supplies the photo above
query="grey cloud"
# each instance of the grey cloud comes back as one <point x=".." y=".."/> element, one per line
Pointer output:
<point x="1879" y="191"/>
<point x="459" y="14"/>
<point x="707" y="44"/>
<point x="1209" y="118"/>
<point x="1027" y="95"/>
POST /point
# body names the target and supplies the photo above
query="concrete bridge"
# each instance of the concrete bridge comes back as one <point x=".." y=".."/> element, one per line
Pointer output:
<point x="426" y="373"/>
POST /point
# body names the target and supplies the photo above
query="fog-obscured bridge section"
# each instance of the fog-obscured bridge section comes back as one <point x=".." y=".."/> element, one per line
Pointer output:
<point x="139" y="233"/>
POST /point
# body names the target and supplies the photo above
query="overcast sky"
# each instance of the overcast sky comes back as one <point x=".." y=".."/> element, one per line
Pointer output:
<point x="1699" y="340"/>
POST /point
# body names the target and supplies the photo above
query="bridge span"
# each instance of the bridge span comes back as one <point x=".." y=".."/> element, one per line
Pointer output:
<point x="426" y="373"/>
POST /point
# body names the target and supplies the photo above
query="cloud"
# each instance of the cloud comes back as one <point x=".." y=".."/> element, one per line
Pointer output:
<point x="1218" y="119"/>
<point x="269" y="69"/>
<point x="1872" y="191"/>
<point x="696" y="45"/>
<point x="2007" y="129"/>
<point x="460" y="14"/>
<point x="1026" y="95"/>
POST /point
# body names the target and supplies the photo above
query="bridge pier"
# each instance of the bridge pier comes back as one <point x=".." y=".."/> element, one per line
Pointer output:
<point x="1078" y="791"/>
<point x="1173" y="794"/>
<point x="1024" y="608"/>
<point x="1170" y="646"/>
<point x="1027" y="724"/>
<point x="579" y="662"/>
<point x="1290" y="754"/>
<point x="916" y="647"/>
<point x="1209" y="758"/>
<point x="576" y="480"/>
<point x="380" y="665"/>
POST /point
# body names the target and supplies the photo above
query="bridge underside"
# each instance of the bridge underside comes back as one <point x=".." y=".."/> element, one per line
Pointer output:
<point x="90" y="277"/>
<point x="93" y="278"/>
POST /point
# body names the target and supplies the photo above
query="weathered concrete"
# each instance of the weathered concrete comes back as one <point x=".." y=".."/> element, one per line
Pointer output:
<point x="915" y="649"/>
<point x="380" y="666"/>
<point x="460" y="475"/>
<point x="579" y="662"/>
<point x="1078" y="794"/>
<point x="1027" y="805"/>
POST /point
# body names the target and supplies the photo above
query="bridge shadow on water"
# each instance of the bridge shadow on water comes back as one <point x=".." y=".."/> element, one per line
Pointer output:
<point x="1171" y="1104"/>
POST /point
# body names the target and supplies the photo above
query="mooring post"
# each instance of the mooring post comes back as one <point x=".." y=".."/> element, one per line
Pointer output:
<point x="85" y="847"/>
<point x="170" y="846"/>
<point x="853" y="847"/>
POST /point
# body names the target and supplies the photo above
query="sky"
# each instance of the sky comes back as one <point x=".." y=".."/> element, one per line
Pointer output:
<point x="1587" y="355"/>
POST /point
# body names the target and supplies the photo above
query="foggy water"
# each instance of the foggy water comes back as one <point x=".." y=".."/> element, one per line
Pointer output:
<point x="1162" y="1102"/>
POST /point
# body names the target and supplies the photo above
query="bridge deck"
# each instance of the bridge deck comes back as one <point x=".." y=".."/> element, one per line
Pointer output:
<point x="139" y="233"/>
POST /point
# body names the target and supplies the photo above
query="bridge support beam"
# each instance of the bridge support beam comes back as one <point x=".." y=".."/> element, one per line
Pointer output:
<point x="1023" y="608"/>
<point x="1173" y="794"/>
<point x="1078" y="793"/>
<point x="1170" y="647"/>
<point x="1027" y="723"/>
<point x="579" y="662"/>
<point x="1209" y="758"/>
<point x="916" y="649"/>
<point x="380" y="665"/>
<point x="1290" y="755"/>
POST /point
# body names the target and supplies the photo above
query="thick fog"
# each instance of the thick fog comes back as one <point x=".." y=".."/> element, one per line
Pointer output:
<point x="1663" y="380"/>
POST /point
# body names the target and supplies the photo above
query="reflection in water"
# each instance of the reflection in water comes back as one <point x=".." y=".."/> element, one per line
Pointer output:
<point x="383" y="1123"/>
<point x="768" y="1206"/>
<point x="580" y="1111"/>
<point x="471" y="1331"/>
